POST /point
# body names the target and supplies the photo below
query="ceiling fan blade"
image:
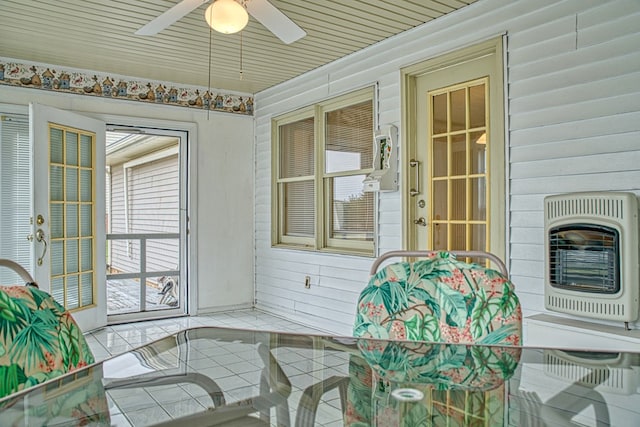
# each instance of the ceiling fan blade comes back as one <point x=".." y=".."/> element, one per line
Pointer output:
<point x="169" y="17"/>
<point x="275" y="21"/>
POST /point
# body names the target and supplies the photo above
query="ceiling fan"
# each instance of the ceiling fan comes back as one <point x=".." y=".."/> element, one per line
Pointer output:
<point x="263" y="11"/>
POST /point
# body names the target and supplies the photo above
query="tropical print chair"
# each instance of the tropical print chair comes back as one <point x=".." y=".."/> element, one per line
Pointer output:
<point x="440" y="299"/>
<point x="435" y="300"/>
<point x="39" y="340"/>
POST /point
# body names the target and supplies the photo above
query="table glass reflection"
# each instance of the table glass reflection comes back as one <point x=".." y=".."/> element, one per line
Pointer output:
<point x="220" y="376"/>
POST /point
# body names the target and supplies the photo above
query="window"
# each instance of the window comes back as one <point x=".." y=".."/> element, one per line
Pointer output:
<point x="321" y="155"/>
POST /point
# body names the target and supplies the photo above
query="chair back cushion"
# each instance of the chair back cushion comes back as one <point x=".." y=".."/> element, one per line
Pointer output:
<point x="440" y="299"/>
<point x="39" y="339"/>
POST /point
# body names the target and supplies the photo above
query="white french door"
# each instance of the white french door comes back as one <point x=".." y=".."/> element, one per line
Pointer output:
<point x="69" y="211"/>
<point x="455" y="164"/>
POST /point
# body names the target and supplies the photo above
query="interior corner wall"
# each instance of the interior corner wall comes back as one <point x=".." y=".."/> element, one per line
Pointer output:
<point x="573" y="125"/>
<point x="225" y="163"/>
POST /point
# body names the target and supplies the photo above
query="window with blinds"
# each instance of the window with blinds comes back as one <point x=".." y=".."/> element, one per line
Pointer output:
<point x="16" y="195"/>
<point x="324" y="207"/>
<point x="348" y="153"/>
<point x="296" y="180"/>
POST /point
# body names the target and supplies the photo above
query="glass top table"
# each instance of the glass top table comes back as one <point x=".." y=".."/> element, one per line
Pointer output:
<point x="219" y="376"/>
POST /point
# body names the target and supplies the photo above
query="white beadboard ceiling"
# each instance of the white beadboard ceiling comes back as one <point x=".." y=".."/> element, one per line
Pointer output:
<point x="99" y="35"/>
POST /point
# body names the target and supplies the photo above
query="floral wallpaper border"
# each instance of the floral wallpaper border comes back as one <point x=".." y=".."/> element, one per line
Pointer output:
<point x="58" y="79"/>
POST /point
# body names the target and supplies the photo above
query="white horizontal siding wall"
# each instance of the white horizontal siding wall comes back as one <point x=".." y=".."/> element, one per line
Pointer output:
<point x="573" y="74"/>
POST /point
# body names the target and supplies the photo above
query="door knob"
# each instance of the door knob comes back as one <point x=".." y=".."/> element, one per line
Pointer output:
<point x="420" y="221"/>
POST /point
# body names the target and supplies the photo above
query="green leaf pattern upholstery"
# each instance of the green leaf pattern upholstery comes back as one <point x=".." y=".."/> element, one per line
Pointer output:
<point x="437" y="300"/>
<point x="440" y="299"/>
<point x="39" y="340"/>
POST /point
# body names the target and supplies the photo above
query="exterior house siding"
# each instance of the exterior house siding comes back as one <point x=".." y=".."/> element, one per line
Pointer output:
<point x="154" y="194"/>
<point x="573" y="124"/>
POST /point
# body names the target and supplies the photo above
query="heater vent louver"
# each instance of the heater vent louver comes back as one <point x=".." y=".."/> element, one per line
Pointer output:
<point x="592" y="206"/>
<point x="580" y="307"/>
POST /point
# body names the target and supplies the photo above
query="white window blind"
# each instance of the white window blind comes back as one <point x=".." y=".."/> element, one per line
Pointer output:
<point x="348" y="153"/>
<point x="15" y="195"/>
<point x="297" y="171"/>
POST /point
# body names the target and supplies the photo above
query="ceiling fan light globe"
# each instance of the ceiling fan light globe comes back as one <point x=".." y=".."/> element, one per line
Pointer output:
<point x="226" y="16"/>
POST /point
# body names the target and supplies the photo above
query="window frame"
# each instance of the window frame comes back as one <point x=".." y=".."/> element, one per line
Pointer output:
<point x="321" y="241"/>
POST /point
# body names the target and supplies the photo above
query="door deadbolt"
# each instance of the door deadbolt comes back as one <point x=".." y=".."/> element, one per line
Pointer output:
<point x="421" y="203"/>
<point x="40" y="220"/>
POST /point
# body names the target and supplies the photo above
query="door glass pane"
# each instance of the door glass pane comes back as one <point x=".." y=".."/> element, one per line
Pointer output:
<point x="57" y="220"/>
<point x="439" y="236"/>
<point x="56" y="139"/>
<point x="458" y="154"/>
<point x="57" y="289"/>
<point x="458" y="199"/>
<point x="56" y="191"/>
<point x="85" y="185"/>
<point x="458" y="237"/>
<point x="478" y="237"/>
<point x="72" y="184"/>
<point x="86" y="154"/>
<point x="440" y="200"/>
<point x="71" y="149"/>
<point x="439" y="157"/>
<point x="86" y="288"/>
<point x="73" y="292"/>
<point x="86" y="254"/>
<point x="478" y="199"/>
<point x="72" y="256"/>
<point x="477" y="106"/>
<point x="57" y="258"/>
<point x="439" y="113"/>
<point x="86" y="220"/>
<point x="477" y="153"/>
<point x="458" y="110"/>
<point x="72" y="220"/>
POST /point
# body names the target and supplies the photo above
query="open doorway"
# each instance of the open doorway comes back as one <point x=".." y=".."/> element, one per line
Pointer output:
<point x="146" y="206"/>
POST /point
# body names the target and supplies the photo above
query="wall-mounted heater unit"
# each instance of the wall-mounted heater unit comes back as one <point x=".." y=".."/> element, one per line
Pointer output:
<point x="592" y="258"/>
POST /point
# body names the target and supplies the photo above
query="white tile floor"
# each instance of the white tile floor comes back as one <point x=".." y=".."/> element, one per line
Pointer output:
<point x="116" y="339"/>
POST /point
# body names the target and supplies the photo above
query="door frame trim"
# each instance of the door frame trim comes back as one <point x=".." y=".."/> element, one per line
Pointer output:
<point x="408" y="107"/>
<point x="191" y="130"/>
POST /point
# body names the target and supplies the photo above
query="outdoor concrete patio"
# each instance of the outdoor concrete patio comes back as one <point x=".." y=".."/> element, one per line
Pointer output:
<point x="123" y="296"/>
